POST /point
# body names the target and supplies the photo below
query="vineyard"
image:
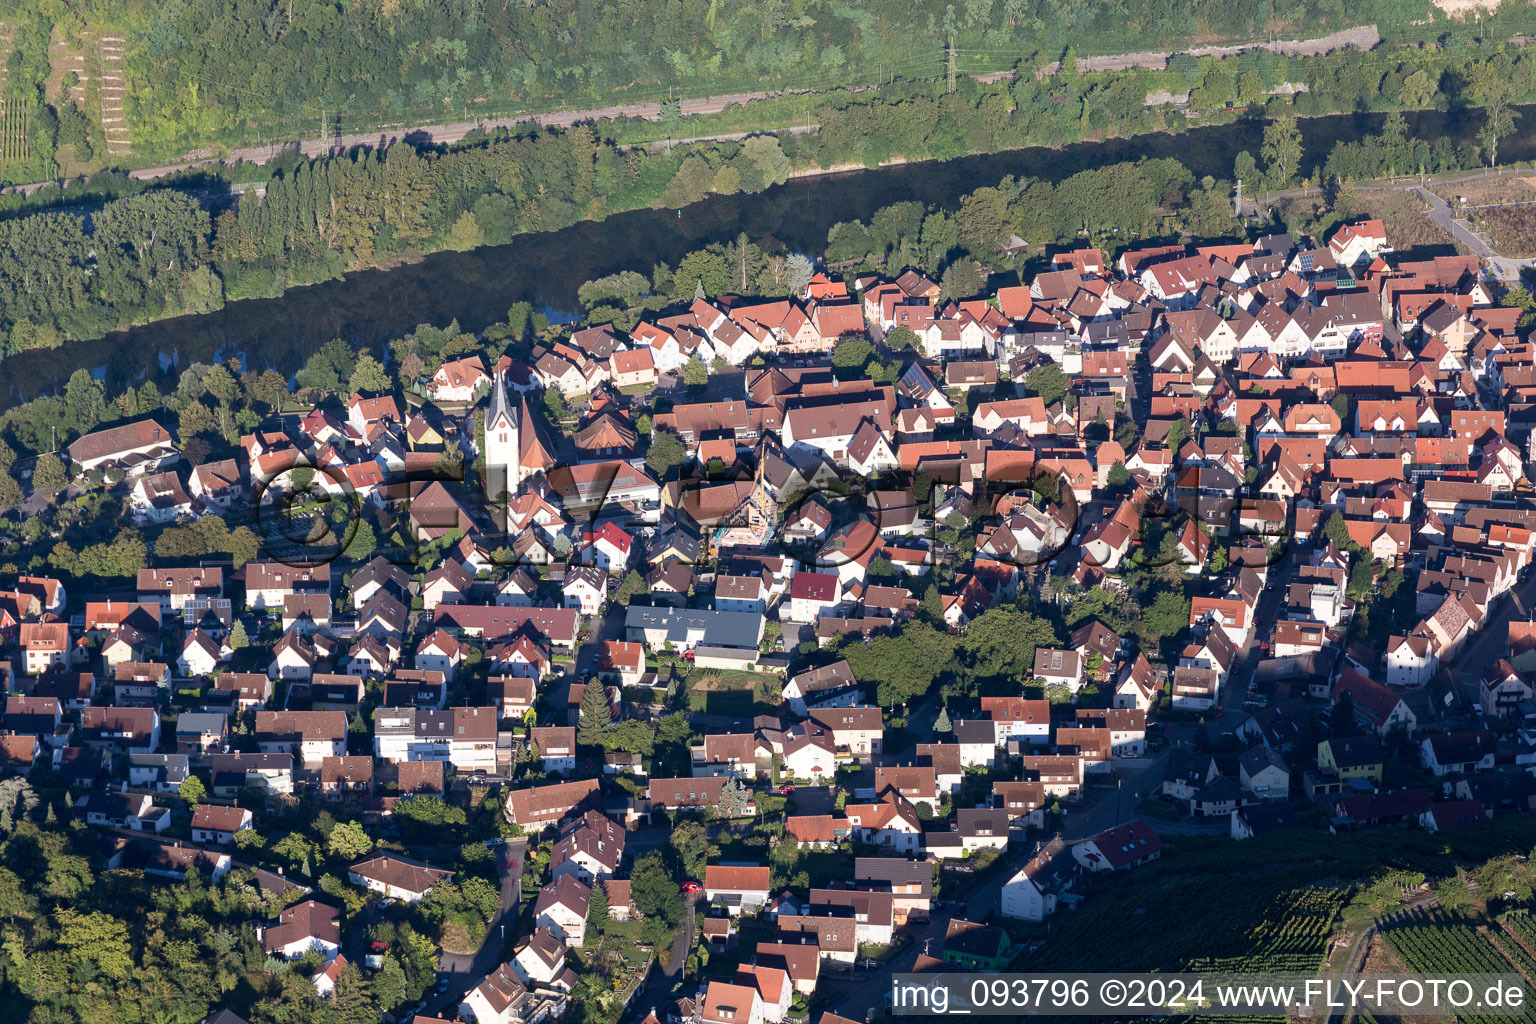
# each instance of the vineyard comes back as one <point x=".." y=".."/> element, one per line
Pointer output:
<point x="13" y="132"/>
<point x="1441" y="944"/>
<point x="1520" y="924"/>
<point x="1280" y="921"/>
<point x="1292" y="935"/>
<point x="1519" y="940"/>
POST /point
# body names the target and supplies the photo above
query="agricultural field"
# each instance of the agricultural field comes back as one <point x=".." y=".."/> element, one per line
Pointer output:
<point x="13" y="133"/>
<point x="1280" y="920"/>
<point x="1441" y="943"/>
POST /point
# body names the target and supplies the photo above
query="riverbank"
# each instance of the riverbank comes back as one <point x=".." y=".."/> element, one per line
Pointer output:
<point x="476" y="287"/>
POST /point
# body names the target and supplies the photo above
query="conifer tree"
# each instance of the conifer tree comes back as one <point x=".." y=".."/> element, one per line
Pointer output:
<point x="596" y="715"/>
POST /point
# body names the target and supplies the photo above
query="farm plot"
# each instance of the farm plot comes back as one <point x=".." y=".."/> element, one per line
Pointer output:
<point x="1442" y="944"/>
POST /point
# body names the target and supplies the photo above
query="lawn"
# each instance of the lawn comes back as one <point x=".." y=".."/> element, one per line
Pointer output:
<point x="732" y="692"/>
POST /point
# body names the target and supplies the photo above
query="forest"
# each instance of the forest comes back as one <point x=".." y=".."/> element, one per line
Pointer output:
<point x="237" y="71"/>
<point x="85" y="941"/>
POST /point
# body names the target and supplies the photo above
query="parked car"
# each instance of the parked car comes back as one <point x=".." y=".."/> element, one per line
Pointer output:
<point x="786" y="790"/>
<point x="690" y="887"/>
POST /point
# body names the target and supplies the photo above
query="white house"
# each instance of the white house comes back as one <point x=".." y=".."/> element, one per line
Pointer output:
<point x="303" y="927"/>
<point x="440" y="652"/>
<point x="201" y="654"/>
<point x="1031" y="894"/>
<point x="562" y="908"/>
<point x="540" y="958"/>
<point x="496" y="1000"/>
<point x="584" y="589"/>
<point x="396" y="877"/>
<point x="740" y="888"/>
<point x="1412" y="660"/>
<point x="217" y="824"/>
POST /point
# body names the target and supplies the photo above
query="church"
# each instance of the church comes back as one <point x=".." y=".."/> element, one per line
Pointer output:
<point x="515" y="450"/>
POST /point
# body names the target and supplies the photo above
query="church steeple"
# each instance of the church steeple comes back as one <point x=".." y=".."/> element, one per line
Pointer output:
<point x="503" y="443"/>
<point x="500" y="409"/>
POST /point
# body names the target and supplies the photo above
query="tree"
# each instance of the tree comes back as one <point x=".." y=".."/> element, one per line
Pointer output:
<point x="961" y="280"/>
<point x="666" y="451"/>
<point x="1002" y="642"/>
<point x="766" y="157"/>
<point x="1164" y="618"/>
<point x="1178" y="432"/>
<point x="1337" y="532"/>
<point x="901" y="337"/>
<point x="465" y="233"/>
<point x="238" y="640"/>
<point x="85" y="400"/>
<point x="97" y="939"/>
<point x="1048" y="381"/>
<point x="369" y="376"/>
<point x="48" y="476"/>
<point x="296" y="849"/>
<point x="851" y="354"/>
<point x="690" y="841"/>
<point x="390" y="986"/>
<point x="1118" y="476"/>
<point x="449" y="464"/>
<point x="597" y="903"/>
<point x="348" y="840"/>
<point x="11" y="496"/>
<point x="735" y="799"/>
<point x="192" y="791"/>
<point x="653" y="892"/>
<point x="596" y="715"/>
<point x="1281" y="150"/>
<point x="905" y="663"/>
<point x="1498" y="123"/>
<point x="695" y="373"/>
<point x="942" y="724"/>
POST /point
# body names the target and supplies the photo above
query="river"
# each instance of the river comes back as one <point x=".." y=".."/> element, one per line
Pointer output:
<point x="476" y="288"/>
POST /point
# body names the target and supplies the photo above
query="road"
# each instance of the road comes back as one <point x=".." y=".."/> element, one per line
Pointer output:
<point x="1271" y="604"/>
<point x="1491" y="641"/>
<point x="1506" y="269"/>
<point x="464" y="970"/>
<point x="657" y="992"/>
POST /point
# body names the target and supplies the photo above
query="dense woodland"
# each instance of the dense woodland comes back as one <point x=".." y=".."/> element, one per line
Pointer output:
<point x="84" y="942"/>
<point x="209" y="71"/>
